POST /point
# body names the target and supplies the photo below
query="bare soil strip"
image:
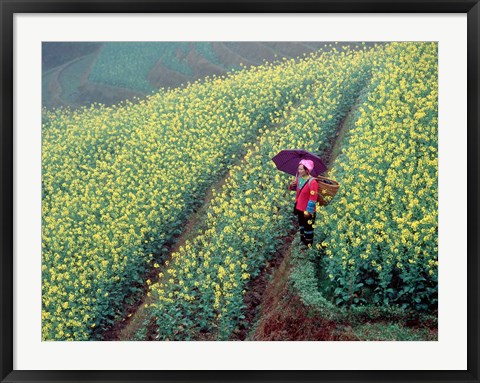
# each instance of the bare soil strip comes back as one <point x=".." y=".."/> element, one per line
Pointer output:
<point x="280" y="315"/>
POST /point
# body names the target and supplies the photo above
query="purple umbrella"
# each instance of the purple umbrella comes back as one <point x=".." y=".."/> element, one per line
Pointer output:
<point x="287" y="161"/>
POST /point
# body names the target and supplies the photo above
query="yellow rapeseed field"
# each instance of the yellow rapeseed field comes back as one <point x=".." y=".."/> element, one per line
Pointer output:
<point x="381" y="232"/>
<point x="118" y="183"/>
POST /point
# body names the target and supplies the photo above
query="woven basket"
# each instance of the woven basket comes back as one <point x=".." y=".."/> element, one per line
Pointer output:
<point x="327" y="189"/>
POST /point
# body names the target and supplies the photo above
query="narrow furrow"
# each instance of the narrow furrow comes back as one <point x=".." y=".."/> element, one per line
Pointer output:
<point x="266" y="291"/>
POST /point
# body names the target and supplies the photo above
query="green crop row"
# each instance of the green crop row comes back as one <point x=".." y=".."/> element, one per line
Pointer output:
<point x="114" y="64"/>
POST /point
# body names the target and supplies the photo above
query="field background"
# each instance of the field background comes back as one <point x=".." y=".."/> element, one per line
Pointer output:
<point x="81" y="73"/>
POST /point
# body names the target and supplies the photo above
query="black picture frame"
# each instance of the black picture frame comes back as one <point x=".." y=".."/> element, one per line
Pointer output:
<point x="10" y="7"/>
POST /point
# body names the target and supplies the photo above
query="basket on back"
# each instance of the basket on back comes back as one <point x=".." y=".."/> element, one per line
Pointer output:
<point x="327" y="189"/>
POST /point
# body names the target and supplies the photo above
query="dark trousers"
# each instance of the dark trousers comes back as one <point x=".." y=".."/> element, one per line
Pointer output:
<point x="306" y="229"/>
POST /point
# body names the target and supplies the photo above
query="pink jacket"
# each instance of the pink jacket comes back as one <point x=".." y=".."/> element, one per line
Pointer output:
<point x="306" y="198"/>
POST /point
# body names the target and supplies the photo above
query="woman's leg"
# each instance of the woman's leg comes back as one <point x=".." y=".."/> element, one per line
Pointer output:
<point x="301" y="224"/>
<point x="308" y="230"/>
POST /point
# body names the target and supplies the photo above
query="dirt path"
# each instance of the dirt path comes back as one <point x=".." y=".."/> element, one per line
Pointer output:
<point x="55" y="85"/>
<point x="279" y="315"/>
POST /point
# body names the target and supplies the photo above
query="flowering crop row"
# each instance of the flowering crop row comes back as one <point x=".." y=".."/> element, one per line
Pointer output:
<point x="118" y="182"/>
<point x="202" y="288"/>
<point x="380" y="234"/>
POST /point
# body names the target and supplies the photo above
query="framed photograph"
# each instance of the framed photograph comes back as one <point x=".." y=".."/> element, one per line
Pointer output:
<point x="240" y="191"/>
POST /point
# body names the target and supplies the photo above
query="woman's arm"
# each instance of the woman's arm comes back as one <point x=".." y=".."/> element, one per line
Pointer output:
<point x="312" y="197"/>
<point x="293" y="184"/>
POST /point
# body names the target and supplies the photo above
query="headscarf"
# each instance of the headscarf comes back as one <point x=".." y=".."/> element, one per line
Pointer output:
<point x="308" y="164"/>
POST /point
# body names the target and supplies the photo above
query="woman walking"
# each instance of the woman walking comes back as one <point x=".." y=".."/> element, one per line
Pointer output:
<point x="306" y="188"/>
